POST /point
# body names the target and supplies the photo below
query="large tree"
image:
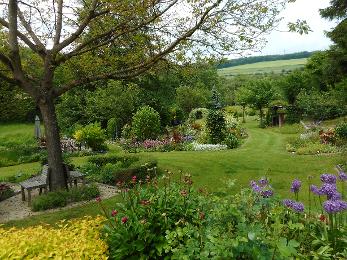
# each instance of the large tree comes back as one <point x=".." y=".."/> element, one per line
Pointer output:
<point x="91" y="40"/>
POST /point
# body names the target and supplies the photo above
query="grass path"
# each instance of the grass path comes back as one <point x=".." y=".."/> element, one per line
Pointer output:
<point x="263" y="154"/>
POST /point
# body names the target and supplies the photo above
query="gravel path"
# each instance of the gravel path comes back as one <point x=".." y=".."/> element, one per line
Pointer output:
<point x="14" y="208"/>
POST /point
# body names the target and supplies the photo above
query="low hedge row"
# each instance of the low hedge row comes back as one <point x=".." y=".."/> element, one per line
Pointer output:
<point x="102" y="160"/>
<point x="111" y="169"/>
<point x="61" y="198"/>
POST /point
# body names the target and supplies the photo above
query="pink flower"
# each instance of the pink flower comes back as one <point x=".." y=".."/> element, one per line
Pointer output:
<point x="133" y="179"/>
<point x="124" y="220"/>
<point x="114" y="213"/>
<point x="98" y="199"/>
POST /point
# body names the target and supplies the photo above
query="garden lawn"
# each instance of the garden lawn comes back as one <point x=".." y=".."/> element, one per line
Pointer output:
<point x="263" y="154"/>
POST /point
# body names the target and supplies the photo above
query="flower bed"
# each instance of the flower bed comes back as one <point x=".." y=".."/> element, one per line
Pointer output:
<point x="176" y="221"/>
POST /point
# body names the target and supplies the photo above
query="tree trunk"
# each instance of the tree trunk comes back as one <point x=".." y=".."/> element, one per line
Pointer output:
<point x="57" y="178"/>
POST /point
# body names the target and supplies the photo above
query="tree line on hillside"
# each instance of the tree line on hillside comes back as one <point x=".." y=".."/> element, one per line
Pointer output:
<point x="254" y="59"/>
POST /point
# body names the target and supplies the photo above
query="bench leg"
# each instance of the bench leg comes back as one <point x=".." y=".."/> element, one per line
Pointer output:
<point x="29" y="197"/>
<point x="40" y="192"/>
<point x="75" y="182"/>
<point x="23" y="193"/>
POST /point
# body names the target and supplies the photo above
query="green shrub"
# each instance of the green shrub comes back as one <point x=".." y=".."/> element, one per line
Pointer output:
<point x="138" y="169"/>
<point x="146" y="123"/>
<point x="101" y="160"/>
<point x="216" y="126"/>
<point x="93" y="136"/>
<point x="112" y="128"/>
<point x="341" y="130"/>
<point x="231" y="141"/>
<point x="61" y="198"/>
<point x="50" y="200"/>
<point x="126" y="131"/>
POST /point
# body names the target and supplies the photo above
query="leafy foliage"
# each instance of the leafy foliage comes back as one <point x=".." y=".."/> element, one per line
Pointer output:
<point x="146" y="123"/>
<point x="61" y="198"/>
<point x="77" y="239"/>
<point x="175" y="221"/>
<point x="92" y="135"/>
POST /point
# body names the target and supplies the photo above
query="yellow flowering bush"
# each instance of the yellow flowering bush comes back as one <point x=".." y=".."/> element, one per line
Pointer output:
<point x="76" y="239"/>
<point x="78" y="135"/>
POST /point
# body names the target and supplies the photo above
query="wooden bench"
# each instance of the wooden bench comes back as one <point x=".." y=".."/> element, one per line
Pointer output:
<point x="41" y="181"/>
<point x="37" y="182"/>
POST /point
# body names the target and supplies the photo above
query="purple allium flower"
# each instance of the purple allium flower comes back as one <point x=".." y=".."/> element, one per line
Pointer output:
<point x="255" y="187"/>
<point x="328" y="189"/>
<point x="288" y="203"/>
<point x="334" y="206"/>
<point x="342" y="176"/>
<point x="328" y="178"/>
<point x="267" y="193"/>
<point x="315" y="190"/>
<point x="298" y="206"/>
<point x="296" y="184"/>
<point x="335" y="196"/>
<point x="263" y="182"/>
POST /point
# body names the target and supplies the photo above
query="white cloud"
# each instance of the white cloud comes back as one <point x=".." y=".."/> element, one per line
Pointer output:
<point x="285" y="42"/>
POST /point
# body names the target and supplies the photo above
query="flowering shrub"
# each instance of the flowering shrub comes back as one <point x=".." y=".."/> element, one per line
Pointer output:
<point x="174" y="221"/>
<point x="139" y="228"/>
<point x="77" y="239"/>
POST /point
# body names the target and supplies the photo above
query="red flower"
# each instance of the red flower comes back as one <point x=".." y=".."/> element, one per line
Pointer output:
<point x="322" y="218"/>
<point x="98" y="199"/>
<point x="124" y="220"/>
<point x="114" y="213"/>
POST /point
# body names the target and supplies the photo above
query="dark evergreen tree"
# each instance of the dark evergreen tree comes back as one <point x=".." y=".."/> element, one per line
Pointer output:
<point x="215" y="119"/>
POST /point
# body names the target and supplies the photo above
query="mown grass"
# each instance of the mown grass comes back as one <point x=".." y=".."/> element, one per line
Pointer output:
<point x="18" y="145"/>
<point x="278" y="66"/>
<point x="263" y="154"/>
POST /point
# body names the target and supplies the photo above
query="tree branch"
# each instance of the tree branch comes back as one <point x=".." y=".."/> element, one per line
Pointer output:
<point x="8" y="79"/>
<point x="79" y="49"/>
<point x="137" y="70"/>
<point x="91" y="15"/>
<point x="59" y="23"/>
<point x="25" y="39"/>
<point x="30" y="30"/>
<point x="5" y="60"/>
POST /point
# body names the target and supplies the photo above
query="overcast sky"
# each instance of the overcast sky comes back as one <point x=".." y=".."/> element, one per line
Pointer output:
<point x="282" y="42"/>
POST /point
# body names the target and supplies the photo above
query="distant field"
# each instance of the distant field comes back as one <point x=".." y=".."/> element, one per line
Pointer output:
<point x="277" y="66"/>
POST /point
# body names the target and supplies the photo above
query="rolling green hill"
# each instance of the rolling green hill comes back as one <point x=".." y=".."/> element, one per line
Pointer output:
<point x="277" y="66"/>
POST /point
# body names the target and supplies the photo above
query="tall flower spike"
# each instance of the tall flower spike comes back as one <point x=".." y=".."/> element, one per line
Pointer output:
<point x="328" y="178"/>
<point x="296" y="184"/>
